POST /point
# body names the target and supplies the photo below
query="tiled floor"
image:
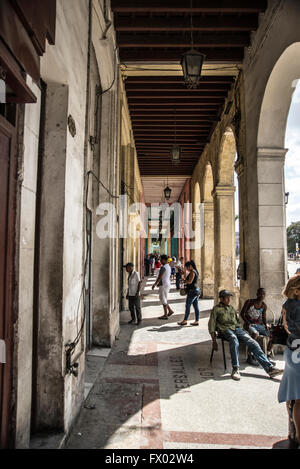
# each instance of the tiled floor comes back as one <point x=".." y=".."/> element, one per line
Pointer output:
<point x="158" y="391"/>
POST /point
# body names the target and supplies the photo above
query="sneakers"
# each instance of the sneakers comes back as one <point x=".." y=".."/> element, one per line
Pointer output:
<point x="235" y="374"/>
<point x="274" y="372"/>
<point x="271" y="361"/>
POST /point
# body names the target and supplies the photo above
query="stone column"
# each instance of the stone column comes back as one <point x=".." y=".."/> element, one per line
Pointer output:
<point x="243" y="231"/>
<point x="225" y="259"/>
<point x="208" y="251"/>
<point x="272" y="225"/>
<point x="197" y="242"/>
<point x="50" y="387"/>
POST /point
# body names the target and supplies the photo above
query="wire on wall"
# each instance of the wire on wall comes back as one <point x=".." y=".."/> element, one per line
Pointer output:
<point x="72" y="368"/>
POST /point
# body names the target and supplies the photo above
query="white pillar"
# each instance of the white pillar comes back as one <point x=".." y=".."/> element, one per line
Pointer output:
<point x="272" y="225"/>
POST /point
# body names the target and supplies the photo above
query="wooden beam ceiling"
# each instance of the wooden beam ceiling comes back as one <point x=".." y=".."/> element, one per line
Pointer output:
<point x="156" y="33"/>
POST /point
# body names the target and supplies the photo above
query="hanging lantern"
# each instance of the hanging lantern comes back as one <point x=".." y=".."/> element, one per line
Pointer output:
<point x="191" y="63"/>
<point x="176" y="154"/>
<point x="167" y="192"/>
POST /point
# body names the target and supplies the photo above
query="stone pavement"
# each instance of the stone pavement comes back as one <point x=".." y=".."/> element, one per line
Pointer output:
<point x="158" y="391"/>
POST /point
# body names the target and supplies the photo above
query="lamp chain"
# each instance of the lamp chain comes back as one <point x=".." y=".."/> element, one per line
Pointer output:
<point x="192" y="25"/>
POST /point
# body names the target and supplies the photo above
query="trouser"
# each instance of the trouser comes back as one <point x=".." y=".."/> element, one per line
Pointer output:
<point x="192" y="299"/>
<point x="178" y="277"/>
<point x="135" y="308"/>
<point x="147" y="270"/>
<point x="239" y="335"/>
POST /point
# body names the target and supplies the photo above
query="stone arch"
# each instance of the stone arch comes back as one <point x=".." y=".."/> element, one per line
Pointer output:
<point x="226" y="158"/>
<point x="208" y="183"/>
<point x="277" y="99"/>
<point x="270" y="174"/>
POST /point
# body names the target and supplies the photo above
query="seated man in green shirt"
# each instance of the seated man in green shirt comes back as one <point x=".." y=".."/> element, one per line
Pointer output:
<point x="224" y="320"/>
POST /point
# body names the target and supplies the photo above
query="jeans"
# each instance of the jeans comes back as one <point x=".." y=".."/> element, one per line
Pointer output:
<point x="239" y="335"/>
<point x="192" y="299"/>
<point x="135" y="308"/>
<point x="178" y="278"/>
<point x="254" y="328"/>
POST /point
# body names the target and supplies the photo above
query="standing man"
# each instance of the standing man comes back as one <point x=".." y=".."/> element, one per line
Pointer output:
<point x="224" y="320"/>
<point x="164" y="283"/>
<point x="147" y="265"/>
<point x="133" y="294"/>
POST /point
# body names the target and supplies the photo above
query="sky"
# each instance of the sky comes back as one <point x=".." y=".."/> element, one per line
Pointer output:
<point x="292" y="164"/>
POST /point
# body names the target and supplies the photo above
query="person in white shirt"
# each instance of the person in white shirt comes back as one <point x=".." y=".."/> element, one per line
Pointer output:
<point x="133" y="294"/>
<point x="164" y="283"/>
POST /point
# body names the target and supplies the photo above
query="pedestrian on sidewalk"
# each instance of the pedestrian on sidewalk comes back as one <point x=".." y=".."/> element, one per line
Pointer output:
<point x="133" y="294"/>
<point x="157" y="267"/>
<point x="153" y="258"/>
<point x="225" y="322"/>
<point x="193" y="293"/>
<point x="179" y="272"/>
<point x="289" y="390"/>
<point x="254" y="315"/>
<point x="173" y="268"/>
<point x="164" y="283"/>
<point x="147" y="265"/>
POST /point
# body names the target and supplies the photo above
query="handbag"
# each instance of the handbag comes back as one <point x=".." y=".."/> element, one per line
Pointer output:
<point x="278" y="333"/>
<point x="183" y="289"/>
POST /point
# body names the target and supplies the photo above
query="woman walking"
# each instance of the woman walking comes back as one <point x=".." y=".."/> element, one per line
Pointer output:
<point x="193" y="293"/>
<point x="289" y="390"/>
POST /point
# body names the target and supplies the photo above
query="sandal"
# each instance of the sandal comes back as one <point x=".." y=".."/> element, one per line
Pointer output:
<point x="163" y="317"/>
<point x="170" y="314"/>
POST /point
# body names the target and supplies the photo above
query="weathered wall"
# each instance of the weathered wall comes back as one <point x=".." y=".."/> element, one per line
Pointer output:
<point x="23" y="345"/>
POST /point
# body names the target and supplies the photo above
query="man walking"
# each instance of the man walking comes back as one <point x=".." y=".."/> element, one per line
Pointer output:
<point x="133" y="294"/>
<point x="224" y="320"/>
<point x="164" y="283"/>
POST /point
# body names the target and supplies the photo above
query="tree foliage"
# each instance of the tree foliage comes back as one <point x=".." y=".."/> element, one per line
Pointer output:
<point x="293" y="236"/>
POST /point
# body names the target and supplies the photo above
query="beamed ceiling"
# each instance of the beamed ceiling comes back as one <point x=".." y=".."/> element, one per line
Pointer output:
<point x="159" y="32"/>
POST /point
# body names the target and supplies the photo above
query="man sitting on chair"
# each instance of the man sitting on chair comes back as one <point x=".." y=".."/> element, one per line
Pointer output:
<point x="225" y="320"/>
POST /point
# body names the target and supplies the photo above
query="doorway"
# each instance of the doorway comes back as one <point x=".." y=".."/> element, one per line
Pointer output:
<point x="7" y="229"/>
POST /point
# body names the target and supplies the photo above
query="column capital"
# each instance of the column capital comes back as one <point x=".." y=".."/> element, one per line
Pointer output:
<point x="272" y="154"/>
<point x="223" y="191"/>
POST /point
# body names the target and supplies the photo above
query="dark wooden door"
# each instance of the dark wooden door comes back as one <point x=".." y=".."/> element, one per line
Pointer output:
<point x="7" y="223"/>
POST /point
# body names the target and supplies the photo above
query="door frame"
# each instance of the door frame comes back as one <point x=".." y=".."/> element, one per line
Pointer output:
<point x="6" y="370"/>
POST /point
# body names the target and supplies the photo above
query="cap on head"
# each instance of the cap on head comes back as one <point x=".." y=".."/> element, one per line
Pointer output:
<point x="130" y="264"/>
<point x="224" y="293"/>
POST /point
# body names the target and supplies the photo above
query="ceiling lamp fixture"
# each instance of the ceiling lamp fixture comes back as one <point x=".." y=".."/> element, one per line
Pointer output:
<point x="192" y="61"/>
<point x="175" y="150"/>
<point x="167" y="192"/>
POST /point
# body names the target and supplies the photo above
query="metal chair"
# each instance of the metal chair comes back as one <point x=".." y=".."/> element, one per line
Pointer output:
<point x="223" y="349"/>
